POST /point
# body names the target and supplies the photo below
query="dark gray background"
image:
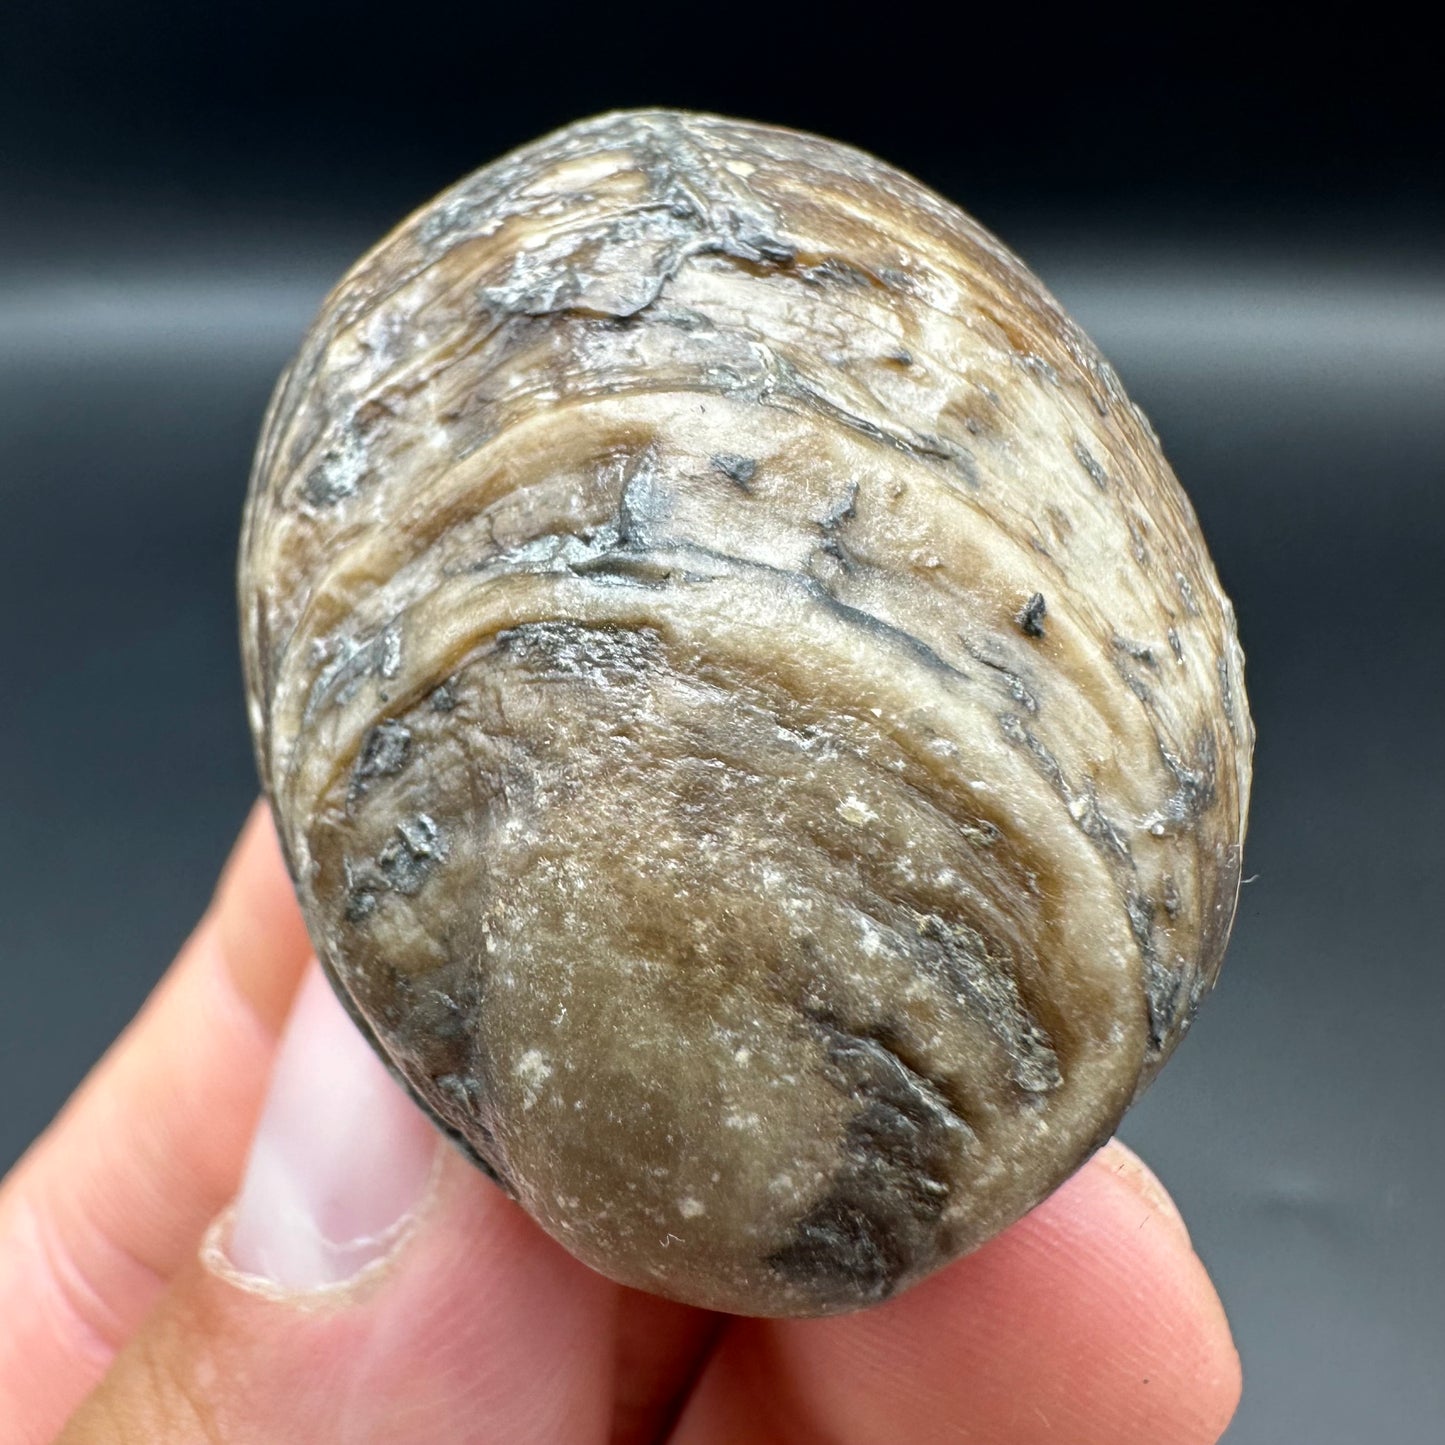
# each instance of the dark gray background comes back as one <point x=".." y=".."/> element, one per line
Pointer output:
<point x="1254" y="242"/>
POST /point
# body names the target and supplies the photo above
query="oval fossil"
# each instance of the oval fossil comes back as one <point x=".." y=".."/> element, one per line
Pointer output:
<point x="758" y="737"/>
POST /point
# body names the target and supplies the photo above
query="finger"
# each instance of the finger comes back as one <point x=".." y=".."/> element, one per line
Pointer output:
<point x="661" y="1349"/>
<point x="368" y="1286"/>
<point x="118" y="1191"/>
<point x="1091" y="1320"/>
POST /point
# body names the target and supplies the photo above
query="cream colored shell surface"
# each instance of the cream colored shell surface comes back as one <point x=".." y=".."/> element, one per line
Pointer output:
<point x="758" y="737"/>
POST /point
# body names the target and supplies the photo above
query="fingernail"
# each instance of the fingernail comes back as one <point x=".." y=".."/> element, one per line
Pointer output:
<point x="340" y="1161"/>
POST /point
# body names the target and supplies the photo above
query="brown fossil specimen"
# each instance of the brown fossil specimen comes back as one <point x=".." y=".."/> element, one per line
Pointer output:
<point x="756" y="731"/>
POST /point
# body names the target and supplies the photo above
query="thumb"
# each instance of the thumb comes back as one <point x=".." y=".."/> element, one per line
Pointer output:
<point x="366" y="1286"/>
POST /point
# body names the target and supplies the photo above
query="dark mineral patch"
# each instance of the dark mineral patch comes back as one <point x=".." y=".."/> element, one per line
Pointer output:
<point x="1031" y="616"/>
<point x="738" y="469"/>
<point x="384" y="752"/>
<point x="878" y="1221"/>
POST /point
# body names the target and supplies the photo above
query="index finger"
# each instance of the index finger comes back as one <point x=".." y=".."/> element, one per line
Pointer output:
<point x="114" y="1197"/>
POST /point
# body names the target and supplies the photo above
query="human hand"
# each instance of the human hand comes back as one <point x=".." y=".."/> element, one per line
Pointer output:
<point x="370" y="1286"/>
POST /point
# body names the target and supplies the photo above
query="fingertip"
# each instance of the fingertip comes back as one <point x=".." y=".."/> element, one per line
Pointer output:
<point x="1141" y="1201"/>
<point x="1111" y="1254"/>
<point x="1092" y="1319"/>
<point x="257" y="922"/>
<point x="1117" y="1160"/>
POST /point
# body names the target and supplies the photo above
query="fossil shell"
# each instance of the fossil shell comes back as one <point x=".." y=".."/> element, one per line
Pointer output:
<point x="758" y="737"/>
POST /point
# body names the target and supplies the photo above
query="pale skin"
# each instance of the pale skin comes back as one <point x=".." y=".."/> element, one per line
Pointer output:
<point x="1091" y="1321"/>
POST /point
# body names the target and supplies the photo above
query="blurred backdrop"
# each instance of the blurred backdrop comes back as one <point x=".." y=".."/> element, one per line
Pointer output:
<point x="1250" y="229"/>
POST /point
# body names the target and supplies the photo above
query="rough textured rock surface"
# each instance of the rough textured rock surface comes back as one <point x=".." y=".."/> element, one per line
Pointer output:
<point x="757" y="734"/>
